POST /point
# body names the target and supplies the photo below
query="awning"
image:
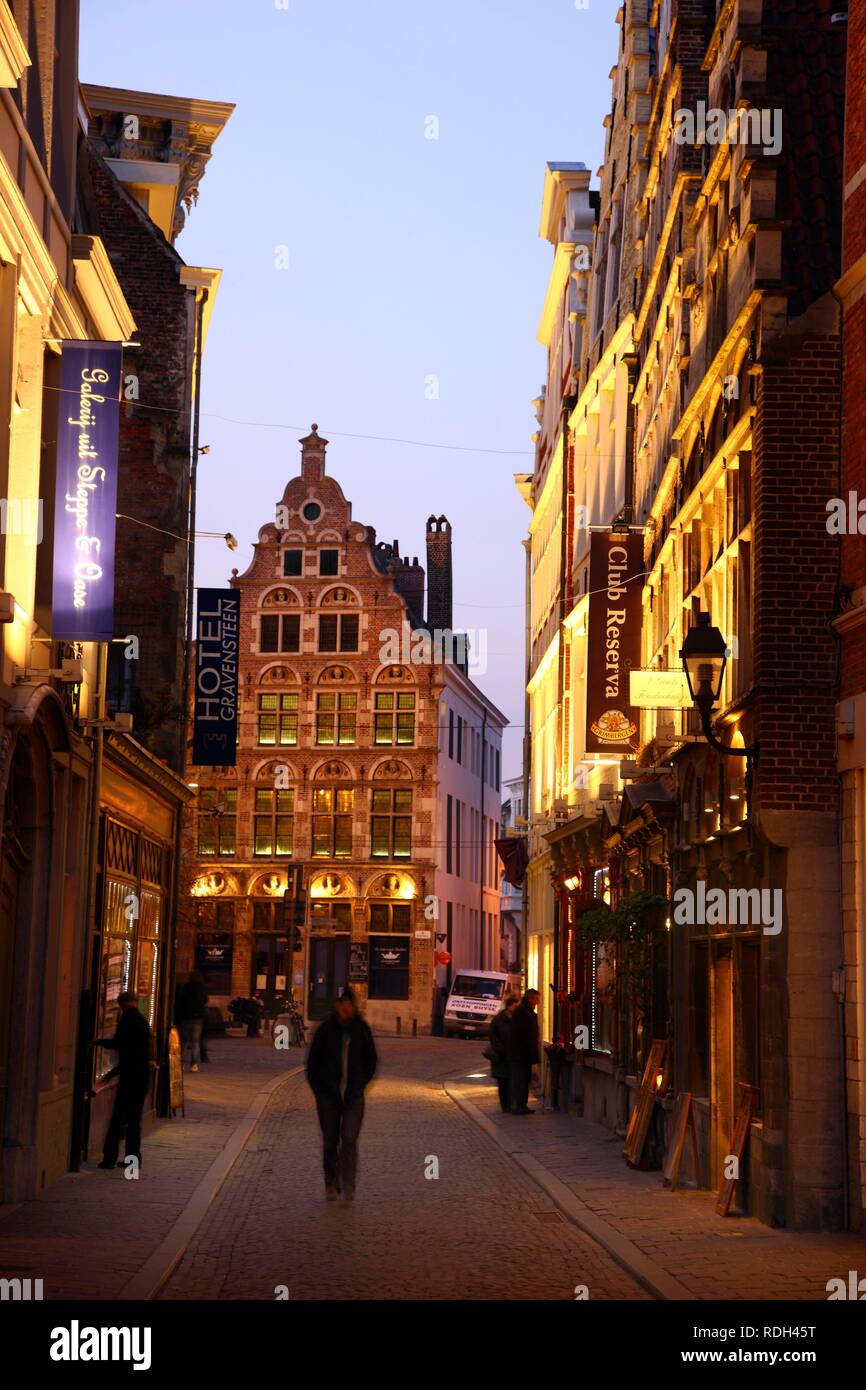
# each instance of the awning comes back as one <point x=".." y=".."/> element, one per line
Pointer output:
<point x="514" y="855"/>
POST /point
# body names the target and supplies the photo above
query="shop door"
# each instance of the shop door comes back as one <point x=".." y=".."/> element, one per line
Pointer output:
<point x="722" y="1063"/>
<point x="272" y="972"/>
<point x="9" y="880"/>
<point x="329" y="973"/>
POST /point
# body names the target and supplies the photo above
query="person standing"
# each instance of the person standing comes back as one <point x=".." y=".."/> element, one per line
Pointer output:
<point x="497" y="1051"/>
<point x="341" y="1063"/>
<point x="523" y="1051"/>
<point x="191" y="1011"/>
<point x="131" y="1042"/>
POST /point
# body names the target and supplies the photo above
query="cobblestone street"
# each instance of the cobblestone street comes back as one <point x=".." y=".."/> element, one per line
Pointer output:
<point x="482" y="1230"/>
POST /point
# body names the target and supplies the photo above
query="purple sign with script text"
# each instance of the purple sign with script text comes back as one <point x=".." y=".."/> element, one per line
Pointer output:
<point x="88" y="421"/>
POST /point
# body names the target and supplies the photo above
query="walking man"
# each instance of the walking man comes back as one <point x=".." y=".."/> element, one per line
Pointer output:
<point x="340" y="1064"/>
<point x="523" y="1051"/>
<point x="131" y="1042"/>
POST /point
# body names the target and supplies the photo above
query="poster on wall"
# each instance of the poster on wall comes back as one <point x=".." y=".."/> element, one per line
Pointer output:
<point x="215" y="687"/>
<point x="358" y="963"/>
<point x="88" y="422"/>
<point x="613" y="641"/>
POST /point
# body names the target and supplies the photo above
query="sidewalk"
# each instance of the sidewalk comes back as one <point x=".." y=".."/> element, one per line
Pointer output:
<point x="674" y="1242"/>
<point x="101" y="1235"/>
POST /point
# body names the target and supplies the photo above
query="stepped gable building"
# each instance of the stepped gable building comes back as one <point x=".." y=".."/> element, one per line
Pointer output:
<point x="323" y="857"/>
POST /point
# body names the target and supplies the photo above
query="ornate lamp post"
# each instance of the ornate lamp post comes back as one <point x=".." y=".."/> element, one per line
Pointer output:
<point x="704" y="655"/>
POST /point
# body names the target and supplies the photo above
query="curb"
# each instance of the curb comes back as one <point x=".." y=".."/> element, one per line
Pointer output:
<point x="632" y="1259"/>
<point x="161" y="1264"/>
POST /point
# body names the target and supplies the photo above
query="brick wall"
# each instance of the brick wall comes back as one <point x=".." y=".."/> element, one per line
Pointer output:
<point x="796" y="469"/>
<point x="154" y="462"/>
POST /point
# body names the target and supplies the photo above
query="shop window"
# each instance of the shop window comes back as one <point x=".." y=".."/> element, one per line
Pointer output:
<point x="273" y="822"/>
<point x="217" y="821"/>
<point x="389" y="967"/>
<point x="338" y="632"/>
<point x="335" y="717"/>
<point x="390" y="917"/>
<point x="331" y="915"/>
<point x="278" y="720"/>
<point x="699" y="1019"/>
<point x="130" y="939"/>
<point x="118" y="946"/>
<point x="280" y="632"/>
<point x="293" y="562"/>
<point x="148" y="953"/>
<point x="332" y="822"/>
<point x="215" y="944"/>
<point x="391" y="823"/>
<point x="748" y="1050"/>
<point x="395" y="717"/>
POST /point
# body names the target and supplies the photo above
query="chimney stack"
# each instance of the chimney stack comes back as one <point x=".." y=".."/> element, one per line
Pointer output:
<point x="313" y="456"/>
<point x="408" y="581"/>
<point x="439" y="574"/>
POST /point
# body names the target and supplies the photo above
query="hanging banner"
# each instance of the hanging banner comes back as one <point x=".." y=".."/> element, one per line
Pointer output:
<point x="613" y="641"/>
<point x="215" y="692"/>
<point x="88" y="422"/>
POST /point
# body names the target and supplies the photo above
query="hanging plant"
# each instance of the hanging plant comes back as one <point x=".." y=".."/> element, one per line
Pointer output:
<point x="633" y="919"/>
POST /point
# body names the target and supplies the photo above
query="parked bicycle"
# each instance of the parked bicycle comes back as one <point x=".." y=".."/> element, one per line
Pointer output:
<point x="290" y="1016"/>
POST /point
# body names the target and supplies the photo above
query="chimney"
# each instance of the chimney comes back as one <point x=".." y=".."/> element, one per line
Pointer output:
<point x="313" y="456"/>
<point x="439" y="573"/>
<point x="408" y="581"/>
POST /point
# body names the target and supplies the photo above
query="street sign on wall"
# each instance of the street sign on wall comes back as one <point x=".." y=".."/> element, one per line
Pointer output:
<point x="613" y="641"/>
<point x="215" y="691"/>
<point x="85" y="499"/>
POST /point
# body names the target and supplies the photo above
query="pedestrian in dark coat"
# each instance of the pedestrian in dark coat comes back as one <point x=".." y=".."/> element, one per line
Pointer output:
<point x="497" y="1050"/>
<point x="340" y="1065"/>
<point x="131" y="1042"/>
<point x="523" y="1051"/>
<point x="191" y="1012"/>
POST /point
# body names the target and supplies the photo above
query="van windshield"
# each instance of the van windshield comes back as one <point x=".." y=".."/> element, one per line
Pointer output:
<point x="473" y="987"/>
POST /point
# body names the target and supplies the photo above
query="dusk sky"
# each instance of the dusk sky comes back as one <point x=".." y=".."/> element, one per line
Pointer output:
<point x="409" y="258"/>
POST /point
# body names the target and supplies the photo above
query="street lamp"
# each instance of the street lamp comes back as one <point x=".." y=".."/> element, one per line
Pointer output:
<point x="704" y="655"/>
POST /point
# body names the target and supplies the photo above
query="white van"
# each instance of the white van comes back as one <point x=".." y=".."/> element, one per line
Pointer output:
<point x="476" y="996"/>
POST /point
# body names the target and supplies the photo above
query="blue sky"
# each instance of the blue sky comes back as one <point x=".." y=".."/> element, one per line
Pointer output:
<point x="408" y="257"/>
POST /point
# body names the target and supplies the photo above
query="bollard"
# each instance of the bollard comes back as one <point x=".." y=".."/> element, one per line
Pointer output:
<point x="414" y="1027"/>
<point x="399" y="1024"/>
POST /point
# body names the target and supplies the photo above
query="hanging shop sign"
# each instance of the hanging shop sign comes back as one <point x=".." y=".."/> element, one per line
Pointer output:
<point x="659" y="690"/>
<point x="88" y="422"/>
<point x="613" y="641"/>
<point x="215" y="694"/>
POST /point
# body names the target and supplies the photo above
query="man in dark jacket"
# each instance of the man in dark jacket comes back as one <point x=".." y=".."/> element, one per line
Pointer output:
<point x="191" y="1012"/>
<point x="340" y="1064"/>
<point x="523" y="1051"/>
<point x="500" y="1067"/>
<point x="131" y="1042"/>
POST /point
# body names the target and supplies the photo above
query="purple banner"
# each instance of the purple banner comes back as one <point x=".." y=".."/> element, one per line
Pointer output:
<point x="86" y="493"/>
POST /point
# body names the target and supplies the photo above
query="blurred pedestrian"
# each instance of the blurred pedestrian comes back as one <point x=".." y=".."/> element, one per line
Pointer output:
<point x="131" y="1042"/>
<point x="523" y="1051"/>
<point x="497" y="1049"/>
<point x="340" y="1065"/>
<point x="191" y="1011"/>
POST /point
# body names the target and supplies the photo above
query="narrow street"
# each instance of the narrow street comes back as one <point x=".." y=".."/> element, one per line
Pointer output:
<point x="481" y="1230"/>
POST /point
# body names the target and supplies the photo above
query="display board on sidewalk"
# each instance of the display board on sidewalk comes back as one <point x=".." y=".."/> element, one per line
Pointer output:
<point x="175" y="1072"/>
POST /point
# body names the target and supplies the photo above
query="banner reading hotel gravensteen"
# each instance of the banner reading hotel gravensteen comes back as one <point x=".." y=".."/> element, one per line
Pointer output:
<point x="613" y="641"/>
<point x="88" y="420"/>
<point x="215" y="695"/>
